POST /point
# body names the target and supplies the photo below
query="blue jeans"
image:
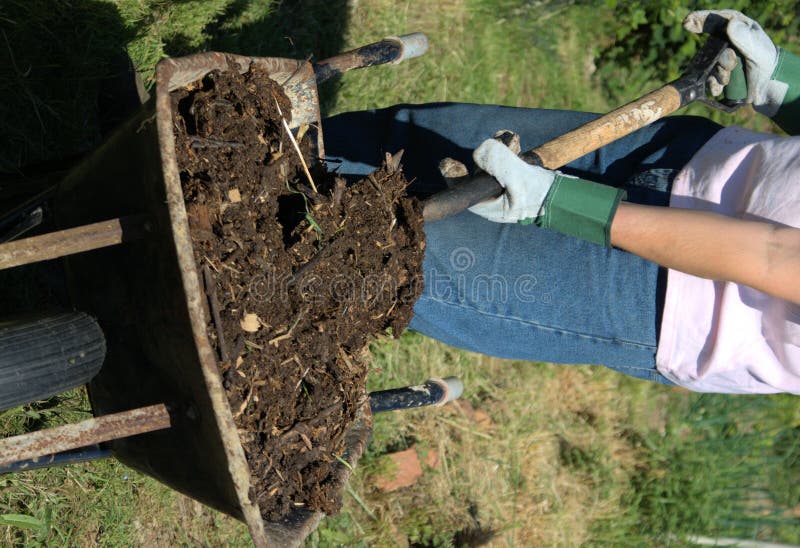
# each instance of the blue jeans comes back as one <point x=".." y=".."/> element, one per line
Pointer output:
<point x="522" y="292"/>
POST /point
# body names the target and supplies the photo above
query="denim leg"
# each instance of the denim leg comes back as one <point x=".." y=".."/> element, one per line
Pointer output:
<point x="515" y="291"/>
<point x="356" y="142"/>
<point x="519" y="292"/>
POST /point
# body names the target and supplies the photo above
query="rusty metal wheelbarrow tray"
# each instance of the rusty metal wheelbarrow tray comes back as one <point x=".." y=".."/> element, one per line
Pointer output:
<point x="147" y="296"/>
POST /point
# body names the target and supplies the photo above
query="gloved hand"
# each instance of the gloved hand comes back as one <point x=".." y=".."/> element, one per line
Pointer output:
<point x="772" y="74"/>
<point x="526" y="185"/>
<point x="533" y="194"/>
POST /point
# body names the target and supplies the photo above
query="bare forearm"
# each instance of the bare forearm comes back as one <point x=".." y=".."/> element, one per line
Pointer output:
<point x="761" y="255"/>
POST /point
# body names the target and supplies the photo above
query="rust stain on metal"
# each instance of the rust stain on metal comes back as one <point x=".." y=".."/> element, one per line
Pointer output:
<point x="70" y="241"/>
<point x="81" y="434"/>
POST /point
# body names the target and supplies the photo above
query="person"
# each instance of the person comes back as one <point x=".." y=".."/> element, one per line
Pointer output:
<point x="690" y="280"/>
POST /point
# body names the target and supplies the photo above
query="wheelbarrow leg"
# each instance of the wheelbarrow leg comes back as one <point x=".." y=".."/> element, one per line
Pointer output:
<point x="77" y="435"/>
<point x="72" y="240"/>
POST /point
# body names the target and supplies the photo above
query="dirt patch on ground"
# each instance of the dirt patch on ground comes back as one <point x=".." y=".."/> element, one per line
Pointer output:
<point x="301" y="272"/>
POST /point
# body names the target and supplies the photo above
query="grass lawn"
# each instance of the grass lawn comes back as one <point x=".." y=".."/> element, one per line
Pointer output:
<point x="543" y="454"/>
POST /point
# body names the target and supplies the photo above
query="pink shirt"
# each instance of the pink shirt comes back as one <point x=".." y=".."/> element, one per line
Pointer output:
<point x="725" y="337"/>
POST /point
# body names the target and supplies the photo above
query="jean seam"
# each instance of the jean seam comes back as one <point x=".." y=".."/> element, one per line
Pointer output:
<point x="545" y="327"/>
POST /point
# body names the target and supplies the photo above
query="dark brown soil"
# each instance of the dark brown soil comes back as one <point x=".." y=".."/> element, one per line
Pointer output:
<point x="298" y="281"/>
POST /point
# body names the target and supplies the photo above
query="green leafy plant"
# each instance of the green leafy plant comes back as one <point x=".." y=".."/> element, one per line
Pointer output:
<point x="651" y="44"/>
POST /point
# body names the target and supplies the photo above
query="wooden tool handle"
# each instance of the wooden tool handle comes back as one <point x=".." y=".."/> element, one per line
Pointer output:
<point x="561" y="150"/>
<point x="608" y="128"/>
<point x="461" y="196"/>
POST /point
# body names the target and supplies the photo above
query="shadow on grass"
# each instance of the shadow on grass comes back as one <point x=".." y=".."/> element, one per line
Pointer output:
<point x="65" y="78"/>
<point x="57" y="63"/>
<point x="59" y="96"/>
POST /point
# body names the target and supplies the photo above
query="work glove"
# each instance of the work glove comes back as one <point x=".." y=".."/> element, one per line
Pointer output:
<point x="526" y="186"/>
<point x="772" y="74"/>
<point x="533" y="194"/>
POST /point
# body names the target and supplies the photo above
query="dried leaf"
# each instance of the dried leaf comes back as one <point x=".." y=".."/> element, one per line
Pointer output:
<point x="250" y="323"/>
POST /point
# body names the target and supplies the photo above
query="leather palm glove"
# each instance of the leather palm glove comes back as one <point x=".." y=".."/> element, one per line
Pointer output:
<point x="537" y="195"/>
<point x="772" y="74"/>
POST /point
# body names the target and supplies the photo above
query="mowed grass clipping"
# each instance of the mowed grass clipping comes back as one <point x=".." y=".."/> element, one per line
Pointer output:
<point x="543" y="455"/>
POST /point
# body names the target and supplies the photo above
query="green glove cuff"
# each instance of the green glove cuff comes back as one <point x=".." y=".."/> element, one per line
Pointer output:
<point x="581" y="208"/>
<point x="736" y="90"/>
<point x="787" y="70"/>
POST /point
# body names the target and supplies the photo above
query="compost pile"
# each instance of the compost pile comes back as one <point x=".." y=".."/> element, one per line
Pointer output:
<point x="301" y="272"/>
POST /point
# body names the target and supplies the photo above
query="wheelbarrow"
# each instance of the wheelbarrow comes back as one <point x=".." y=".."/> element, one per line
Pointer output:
<point x="158" y="399"/>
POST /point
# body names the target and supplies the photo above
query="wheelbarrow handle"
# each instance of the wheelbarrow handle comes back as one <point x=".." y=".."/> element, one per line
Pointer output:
<point x="591" y="136"/>
<point x="392" y="49"/>
<point x="435" y="392"/>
